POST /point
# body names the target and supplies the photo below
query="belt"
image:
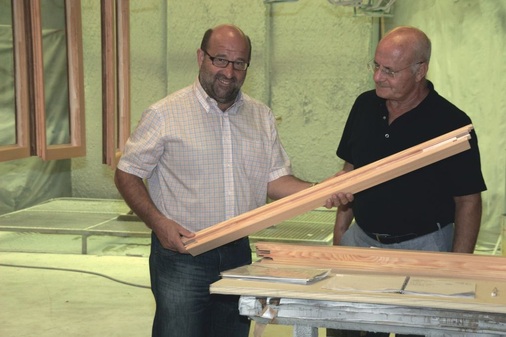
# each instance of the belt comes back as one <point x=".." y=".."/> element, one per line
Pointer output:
<point x="389" y="239"/>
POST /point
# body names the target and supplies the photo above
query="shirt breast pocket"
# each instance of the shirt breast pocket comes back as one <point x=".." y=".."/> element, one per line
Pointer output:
<point x="254" y="159"/>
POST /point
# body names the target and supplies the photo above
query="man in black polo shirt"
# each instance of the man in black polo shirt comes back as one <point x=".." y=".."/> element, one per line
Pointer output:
<point x="435" y="208"/>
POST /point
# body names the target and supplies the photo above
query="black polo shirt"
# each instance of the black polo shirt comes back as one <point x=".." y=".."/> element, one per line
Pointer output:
<point x="417" y="201"/>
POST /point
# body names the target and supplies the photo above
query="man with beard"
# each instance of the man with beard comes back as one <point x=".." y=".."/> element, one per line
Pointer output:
<point x="209" y="152"/>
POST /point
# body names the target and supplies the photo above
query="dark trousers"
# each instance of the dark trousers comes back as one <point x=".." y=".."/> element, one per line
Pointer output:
<point x="180" y="285"/>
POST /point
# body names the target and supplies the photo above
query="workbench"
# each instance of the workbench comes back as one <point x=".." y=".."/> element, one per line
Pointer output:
<point x="321" y="304"/>
<point x="309" y="307"/>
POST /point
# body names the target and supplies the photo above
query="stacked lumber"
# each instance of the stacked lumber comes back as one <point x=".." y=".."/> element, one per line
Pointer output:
<point x="386" y="261"/>
<point x="354" y="181"/>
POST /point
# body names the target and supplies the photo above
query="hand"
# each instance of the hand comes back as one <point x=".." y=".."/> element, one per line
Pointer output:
<point x="170" y="234"/>
<point x="339" y="199"/>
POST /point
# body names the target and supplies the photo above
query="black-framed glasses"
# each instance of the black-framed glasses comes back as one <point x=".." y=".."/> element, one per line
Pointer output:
<point x="374" y="67"/>
<point x="220" y="62"/>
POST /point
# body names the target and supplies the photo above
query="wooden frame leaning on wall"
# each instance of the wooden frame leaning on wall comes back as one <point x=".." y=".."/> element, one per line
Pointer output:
<point x="29" y="84"/>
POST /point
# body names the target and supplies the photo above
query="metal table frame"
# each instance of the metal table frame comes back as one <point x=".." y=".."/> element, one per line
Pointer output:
<point x="306" y="316"/>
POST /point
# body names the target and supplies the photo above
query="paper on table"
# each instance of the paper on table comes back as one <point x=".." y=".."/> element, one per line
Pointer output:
<point x="402" y="285"/>
<point x="441" y="287"/>
<point x="277" y="273"/>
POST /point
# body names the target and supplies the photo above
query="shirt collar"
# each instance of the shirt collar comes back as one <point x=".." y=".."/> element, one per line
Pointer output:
<point x="210" y="105"/>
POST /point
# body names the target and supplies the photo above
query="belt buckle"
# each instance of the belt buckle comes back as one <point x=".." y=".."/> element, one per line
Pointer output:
<point x="385" y="238"/>
<point x="381" y="238"/>
<point x="389" y="239"/>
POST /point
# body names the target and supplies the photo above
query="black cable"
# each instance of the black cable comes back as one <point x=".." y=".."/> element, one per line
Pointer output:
<point x="76" y="271"/>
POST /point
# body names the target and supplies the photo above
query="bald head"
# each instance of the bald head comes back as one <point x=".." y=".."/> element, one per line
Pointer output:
<point x="402" y="62"/>
<point x="410" y="42"/>
<point x="225" y="30"/>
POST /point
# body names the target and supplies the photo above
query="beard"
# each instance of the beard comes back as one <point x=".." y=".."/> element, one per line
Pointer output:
<point x="222" y="89"/>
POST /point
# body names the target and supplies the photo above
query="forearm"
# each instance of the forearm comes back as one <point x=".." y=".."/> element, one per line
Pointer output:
<point x="468" y="211"/>
<point x="136" y="195"/>
<point x="344" y="217"/>
<point x="285" y="186"/>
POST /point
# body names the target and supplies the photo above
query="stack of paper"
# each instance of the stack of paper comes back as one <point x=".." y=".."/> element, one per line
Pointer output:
<point x="277" y="273"/>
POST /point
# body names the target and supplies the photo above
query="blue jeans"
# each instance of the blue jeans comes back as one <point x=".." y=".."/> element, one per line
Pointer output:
<point x="180" y="284"/>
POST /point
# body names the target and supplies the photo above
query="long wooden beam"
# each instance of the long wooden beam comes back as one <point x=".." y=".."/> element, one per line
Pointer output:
<point x="354" y="181"/>
<point x="109" y="94"/>
<point x="386" y="261"/>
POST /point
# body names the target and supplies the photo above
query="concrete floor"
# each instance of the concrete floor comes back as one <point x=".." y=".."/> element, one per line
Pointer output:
<point x="47" y="288"/>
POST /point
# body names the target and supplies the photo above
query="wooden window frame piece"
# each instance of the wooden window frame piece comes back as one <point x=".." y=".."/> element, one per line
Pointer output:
<point x="22" y="147"/>
<point x="115" y="23"/>
<point x="77" y="145"/>
<point x="386" y="261"/>
<point x="29" y="84"/>
<point x="108" y="81"/>
<point x="354" y="181"/>
<point x="123" y="32"/>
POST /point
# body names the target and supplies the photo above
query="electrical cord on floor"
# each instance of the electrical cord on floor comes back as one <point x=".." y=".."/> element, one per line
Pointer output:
<point x="76" y="271"/>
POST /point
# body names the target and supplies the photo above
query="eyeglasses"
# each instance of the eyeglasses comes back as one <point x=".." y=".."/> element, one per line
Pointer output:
<point x="374" y="67"/>
<point x="223" y="63"/>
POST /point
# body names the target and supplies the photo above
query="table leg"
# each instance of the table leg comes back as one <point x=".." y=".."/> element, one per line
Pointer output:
<point x="84" y="244"/>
